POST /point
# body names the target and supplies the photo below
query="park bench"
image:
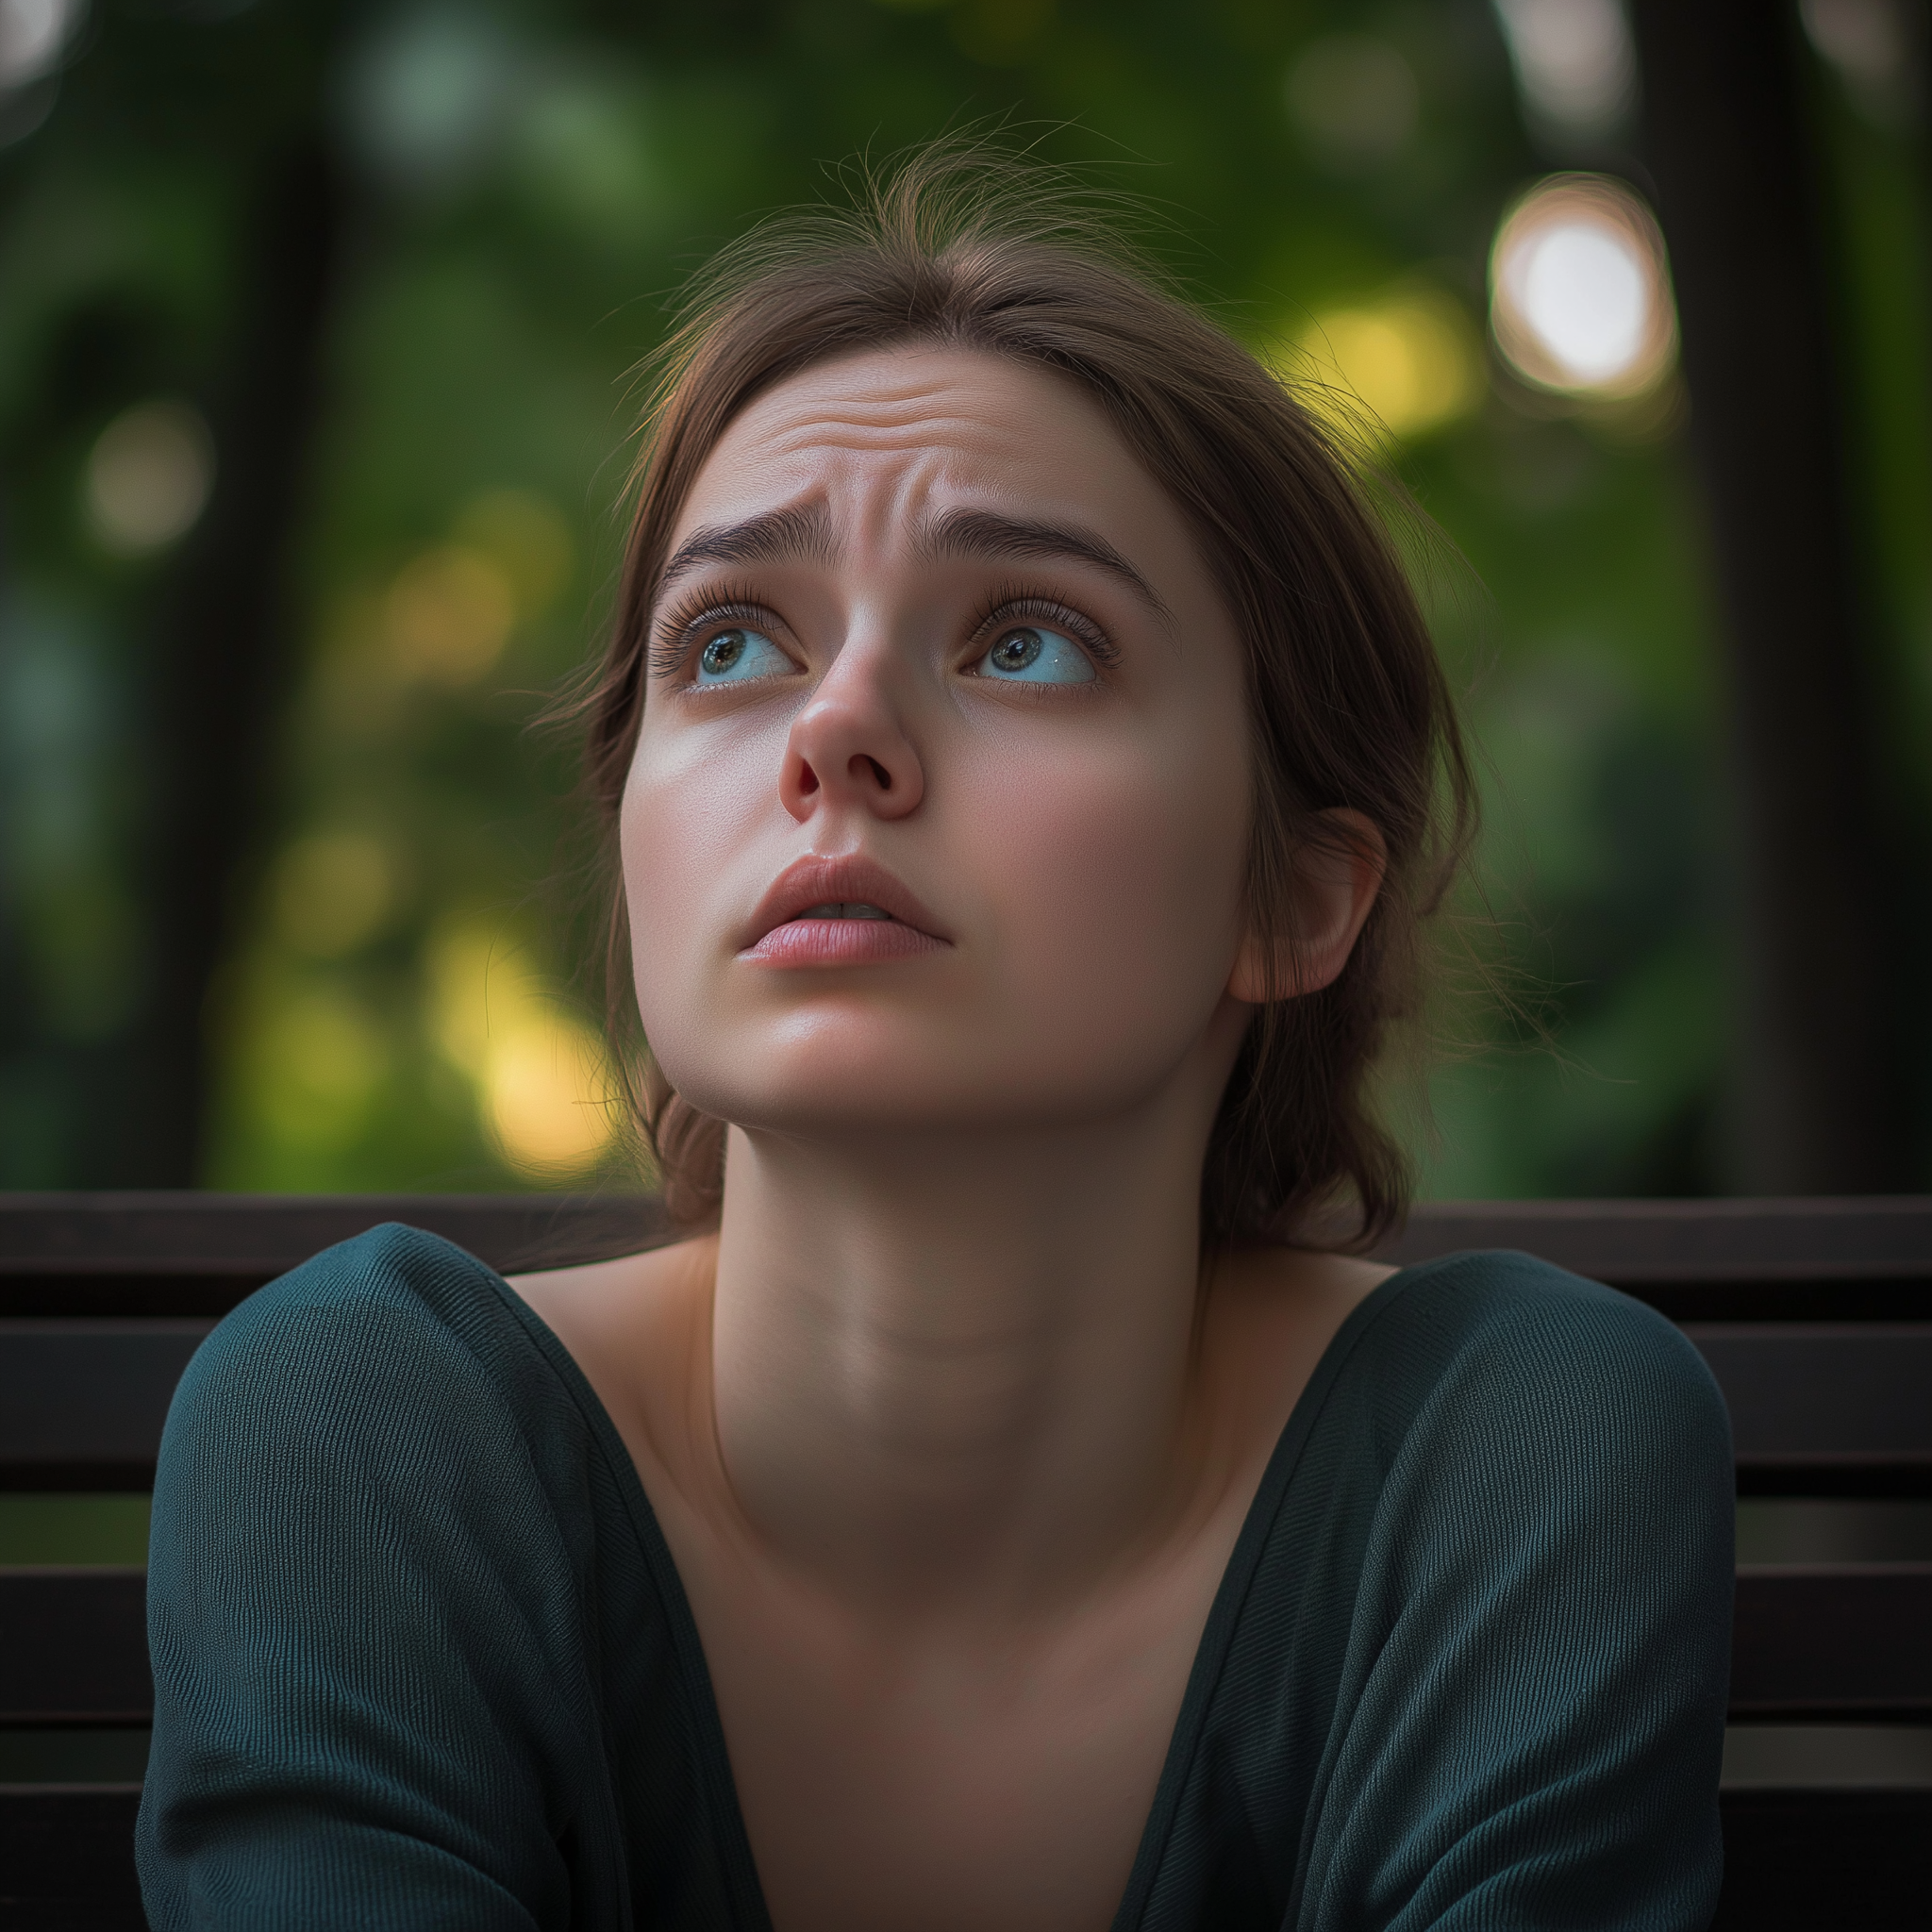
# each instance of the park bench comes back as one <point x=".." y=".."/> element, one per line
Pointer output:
<point x="1816" y="1317"/>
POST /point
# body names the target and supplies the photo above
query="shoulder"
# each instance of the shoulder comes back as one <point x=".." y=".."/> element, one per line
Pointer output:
<point x="638" y="1286"/>
<point x="1513" y="1318"/>
<point x="391" y="1266"/>
<point x="1500" y="1362"/>
<point x="637" y="1330"/>
<point x="396" y="1322"/>
<point x="388" y="1401"/>
<point x="637" y="1314"/>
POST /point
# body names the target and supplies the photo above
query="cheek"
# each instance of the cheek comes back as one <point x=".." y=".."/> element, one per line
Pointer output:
<point x="1119" y="870"/>
<point x="689" y="808"/>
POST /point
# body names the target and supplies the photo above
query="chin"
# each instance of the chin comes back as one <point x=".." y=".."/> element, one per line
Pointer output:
<point x="860" y="1079"/>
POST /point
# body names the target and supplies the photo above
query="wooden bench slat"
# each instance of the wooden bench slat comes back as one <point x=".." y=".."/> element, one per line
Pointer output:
<point x="194" y="1254"/>
<point x="1852" y="1237"/>
<point x="1826" y="1408"/>
<point x="199" y="1254"/>
<point x="1818" y="1389"/>
<point x="74" y="1646"/>
<point x="1834" y="1406"/>
<point x="1847" y="1643"/>
<point x="1815" y="1861"/>
<point x="67" y="1859"/>
<point x="82" y="1402"/>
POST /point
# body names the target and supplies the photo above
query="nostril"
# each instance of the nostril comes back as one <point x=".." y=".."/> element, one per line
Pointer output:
<point x="808" y="778"/>
<point x="878" y="771"/>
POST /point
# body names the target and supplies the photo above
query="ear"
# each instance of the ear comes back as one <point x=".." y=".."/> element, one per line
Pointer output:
<point x="1336" y="875"/>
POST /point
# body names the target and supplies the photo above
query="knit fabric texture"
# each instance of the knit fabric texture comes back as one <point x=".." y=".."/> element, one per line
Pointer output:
<point x="422" y="1657"/>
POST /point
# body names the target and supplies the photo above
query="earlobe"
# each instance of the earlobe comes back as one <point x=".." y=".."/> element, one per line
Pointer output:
<point x="1250" y="981"/>
<point x="1337" y="877"/>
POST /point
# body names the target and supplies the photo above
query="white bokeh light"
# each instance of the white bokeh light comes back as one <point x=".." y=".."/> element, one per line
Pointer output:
<point x="1574" y="61"/>
<point x="1580" y="299"/>
<point x="148" y="478"/>
<point x="33" y="36"/>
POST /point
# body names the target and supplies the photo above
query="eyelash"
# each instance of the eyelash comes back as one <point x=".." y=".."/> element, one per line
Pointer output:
<point x="1013" y="603"/>
<point x="679" y="631"/>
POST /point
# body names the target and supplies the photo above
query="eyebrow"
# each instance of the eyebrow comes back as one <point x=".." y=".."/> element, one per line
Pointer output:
<point x="978" y="533"/>
<point x="780" y="536"/>
<point x="774" y="536"/>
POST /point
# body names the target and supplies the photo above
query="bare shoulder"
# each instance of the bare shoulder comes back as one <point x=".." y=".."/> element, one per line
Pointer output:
<point x="627" y="1283"/>
<point x="1293" y="1287"/>
<point x="639" y="1327"/>
<point x="1269" y="1316"/>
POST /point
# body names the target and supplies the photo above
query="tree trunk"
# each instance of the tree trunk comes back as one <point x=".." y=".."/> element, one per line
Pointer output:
<point x="1818" y="1105"/>
<point x="225" y="650"/>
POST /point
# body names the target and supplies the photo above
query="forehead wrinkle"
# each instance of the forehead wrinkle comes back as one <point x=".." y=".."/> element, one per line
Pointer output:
<point x="913" y="431"/>
<point x="979" y="533"/>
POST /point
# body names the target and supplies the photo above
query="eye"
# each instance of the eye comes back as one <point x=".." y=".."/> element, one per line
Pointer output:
<point x="737" y="655"/>
<point x="1031" y="654"/>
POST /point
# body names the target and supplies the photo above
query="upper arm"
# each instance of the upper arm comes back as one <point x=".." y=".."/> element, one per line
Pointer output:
<point x="361" y="1636"/>
<point x="1534" y="1701"/>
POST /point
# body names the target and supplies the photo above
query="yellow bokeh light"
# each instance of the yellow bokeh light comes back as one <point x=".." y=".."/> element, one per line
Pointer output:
<point x="1409" y="363"/>
<point x="527" y="539"/>
<point x="448" y="615"/>
<point x="319" y="1060"/>
<point x="332" y="892"/>
<point x="543" y="1079"/>
<point x="549" y="1103"/>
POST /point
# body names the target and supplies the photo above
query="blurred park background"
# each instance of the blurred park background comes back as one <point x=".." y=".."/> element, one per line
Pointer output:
<point x="316" y="325"/>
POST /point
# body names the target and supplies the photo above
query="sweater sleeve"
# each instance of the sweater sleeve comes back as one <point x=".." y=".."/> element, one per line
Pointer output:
<point x="360" y="1614"/>
<point x="1532" y="1714"/>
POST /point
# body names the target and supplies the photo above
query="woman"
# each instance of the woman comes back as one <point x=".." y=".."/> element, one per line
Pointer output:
<point x="1005" y="1510"/>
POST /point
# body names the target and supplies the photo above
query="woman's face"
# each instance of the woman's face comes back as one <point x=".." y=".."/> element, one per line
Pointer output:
<point x="939" y="812"/>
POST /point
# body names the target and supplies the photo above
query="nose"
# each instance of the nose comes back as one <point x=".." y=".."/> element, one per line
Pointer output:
<point x="847" y="748"/>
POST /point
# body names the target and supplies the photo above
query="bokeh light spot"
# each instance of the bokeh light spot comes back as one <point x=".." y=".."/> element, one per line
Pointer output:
<point x="333" y="892"/>
<point x="527" y="539"/>
<point x="33" y="35"/>
<point x="1579" y="289"/>
<point x="1870" y="42"/>
<point x="548" y="1104"/>
<point x="321" y="1059"/>
<point x="1574" y="61"/>
<point x="426" y="96"/>
<point x="543" y="1081"/>
<point x="148" y="478"/>
<point x="1411" y="362"/>
<point x="448" y="615"/>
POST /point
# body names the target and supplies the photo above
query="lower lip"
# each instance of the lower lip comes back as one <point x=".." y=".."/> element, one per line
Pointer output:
<point x="840" y="942"/>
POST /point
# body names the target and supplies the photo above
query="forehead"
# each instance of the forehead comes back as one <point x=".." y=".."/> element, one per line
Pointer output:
<point x="888" y="435"/>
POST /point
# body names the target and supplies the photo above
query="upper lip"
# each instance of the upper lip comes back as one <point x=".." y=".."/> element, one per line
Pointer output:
<point x="855" y="880"/>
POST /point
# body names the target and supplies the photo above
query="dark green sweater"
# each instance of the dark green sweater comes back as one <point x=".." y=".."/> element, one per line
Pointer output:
<point x="422" y="1657"/>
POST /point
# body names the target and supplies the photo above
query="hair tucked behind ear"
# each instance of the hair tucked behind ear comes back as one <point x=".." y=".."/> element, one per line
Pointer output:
<point x="970" y="248"/>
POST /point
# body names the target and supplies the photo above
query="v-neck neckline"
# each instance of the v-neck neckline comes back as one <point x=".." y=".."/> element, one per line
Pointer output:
<point x="1216" y="1635"/>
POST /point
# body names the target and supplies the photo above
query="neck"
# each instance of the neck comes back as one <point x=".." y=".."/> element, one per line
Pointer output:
<point x="955" y="1370"/>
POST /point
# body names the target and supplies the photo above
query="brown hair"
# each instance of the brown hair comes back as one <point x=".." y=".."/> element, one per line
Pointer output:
<point x="1347" y="703"/>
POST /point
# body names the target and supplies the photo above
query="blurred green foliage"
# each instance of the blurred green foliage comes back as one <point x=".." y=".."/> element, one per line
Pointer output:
<point x="403" y="1003"/>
